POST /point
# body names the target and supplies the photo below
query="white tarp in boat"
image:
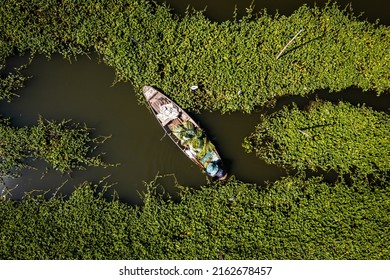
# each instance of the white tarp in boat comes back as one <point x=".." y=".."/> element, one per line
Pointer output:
<point x="168" y="112"/>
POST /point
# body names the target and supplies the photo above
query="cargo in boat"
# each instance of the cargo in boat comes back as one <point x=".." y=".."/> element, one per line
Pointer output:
<point x="186" y="133"/>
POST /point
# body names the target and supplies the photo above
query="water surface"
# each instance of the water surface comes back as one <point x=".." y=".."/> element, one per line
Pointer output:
<point x="82" y="91"/>
<point x="221" y="10"/>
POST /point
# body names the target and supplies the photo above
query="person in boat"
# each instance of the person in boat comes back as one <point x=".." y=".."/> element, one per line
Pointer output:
<point x="213" y="169"/>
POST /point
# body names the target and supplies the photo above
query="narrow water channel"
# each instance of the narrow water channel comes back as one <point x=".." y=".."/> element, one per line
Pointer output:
<point x="82" y="91"/>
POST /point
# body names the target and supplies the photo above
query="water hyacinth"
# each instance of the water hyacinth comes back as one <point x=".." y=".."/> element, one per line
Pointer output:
<point x="327" y="136"/>
<point x="63" y="145"/>
<point x="11" y="83"/>
<point x="292" y="218"/>
<point x="204" y="64"/>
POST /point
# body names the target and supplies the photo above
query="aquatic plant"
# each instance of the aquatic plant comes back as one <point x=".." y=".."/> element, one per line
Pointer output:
<point x="11" y="83"/>
<point x="293" y="218"/>
<point x="194" y="138"/>
<point x="233" y="64"/>
<point x="65" y="146"/>
<point x="326" y="136"/>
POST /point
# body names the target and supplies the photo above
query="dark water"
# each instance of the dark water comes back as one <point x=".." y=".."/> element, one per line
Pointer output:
<point x="221" y="10"/>
<point x="83" y="91"/>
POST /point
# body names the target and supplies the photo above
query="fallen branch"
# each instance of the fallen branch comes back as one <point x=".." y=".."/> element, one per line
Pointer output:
<point x="306" y="134"/>
<point x="285" y="47"/>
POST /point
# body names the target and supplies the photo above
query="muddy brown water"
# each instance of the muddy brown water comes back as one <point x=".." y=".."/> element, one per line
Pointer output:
<point x="82" y="91"/>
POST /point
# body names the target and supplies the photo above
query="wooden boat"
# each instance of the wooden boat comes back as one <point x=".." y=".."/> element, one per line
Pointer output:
<point x="186" y="133"/>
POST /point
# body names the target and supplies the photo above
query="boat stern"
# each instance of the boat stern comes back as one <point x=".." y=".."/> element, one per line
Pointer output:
<point x="216" y="170"/>
<point x="149" y="92"/>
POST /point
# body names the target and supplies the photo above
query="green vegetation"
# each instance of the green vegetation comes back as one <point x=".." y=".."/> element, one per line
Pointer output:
<point x="294" y="218"/>
<point x="194" y="138"/>
<point x="146" y="44"/>
<point x="235" y="67"/>
<point x="10" y="83"/>
<point x="63" y="145"/>
<point x="325" y="136"/>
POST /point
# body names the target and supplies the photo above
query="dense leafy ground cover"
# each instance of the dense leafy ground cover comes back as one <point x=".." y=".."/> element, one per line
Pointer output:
<point x="146" y="44"/>
<point x="234" y="64"/>
<point x="293" y="218"/>
<point x="338" y="137"/>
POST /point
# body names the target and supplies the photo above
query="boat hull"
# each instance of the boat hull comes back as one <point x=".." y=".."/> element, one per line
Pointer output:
<point x="185" y="133"/>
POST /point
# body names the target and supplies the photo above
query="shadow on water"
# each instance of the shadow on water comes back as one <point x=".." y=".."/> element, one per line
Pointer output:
<point x="222" y="10"/>
<point x="354" y="96"/>
<point x="227" y="133"/>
